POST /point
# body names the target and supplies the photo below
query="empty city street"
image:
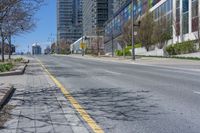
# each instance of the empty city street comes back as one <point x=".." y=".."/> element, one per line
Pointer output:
<point x="130" y="98"/>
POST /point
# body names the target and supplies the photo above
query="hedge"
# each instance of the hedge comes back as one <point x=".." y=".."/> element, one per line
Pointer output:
<point x="181" y="48"/>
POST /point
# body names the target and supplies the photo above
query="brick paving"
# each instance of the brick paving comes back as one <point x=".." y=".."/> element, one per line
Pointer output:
<point x="39" y="106"/>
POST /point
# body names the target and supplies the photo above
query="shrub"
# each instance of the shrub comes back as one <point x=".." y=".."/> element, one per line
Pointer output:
<point x="139" y="45"/>
<point x="181" y="48"/>
<point x="118" y="53"/>
<point x="18" y="59"/>
<point x="127" y="52"/>
<point x="121" y="52"/>
<point x="170" y="50"/>
<point x="6" y="67"/>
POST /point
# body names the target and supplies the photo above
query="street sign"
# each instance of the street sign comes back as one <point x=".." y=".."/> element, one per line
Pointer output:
<point x="82" y="45"/>
<point x="135" y="33"/>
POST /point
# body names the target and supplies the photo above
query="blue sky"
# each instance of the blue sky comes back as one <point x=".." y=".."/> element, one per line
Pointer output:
<point x="44" y="32"/>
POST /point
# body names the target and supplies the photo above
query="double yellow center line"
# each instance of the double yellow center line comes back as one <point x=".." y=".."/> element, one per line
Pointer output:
<point x="92" y="124"/>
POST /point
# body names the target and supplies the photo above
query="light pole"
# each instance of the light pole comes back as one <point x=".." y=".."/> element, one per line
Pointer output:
<point x="82" y="46"/>
<point x="132" y="28"/>
<point x="112" y="44"/>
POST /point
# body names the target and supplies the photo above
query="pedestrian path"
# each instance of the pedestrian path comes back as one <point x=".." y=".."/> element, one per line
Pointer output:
<point x="38" y="106"/>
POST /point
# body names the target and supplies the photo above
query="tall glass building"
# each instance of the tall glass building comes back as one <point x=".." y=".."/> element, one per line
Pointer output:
<point x="182" y="15"/>
<point x="95" y="14"/>
<point x="69" y="20"/>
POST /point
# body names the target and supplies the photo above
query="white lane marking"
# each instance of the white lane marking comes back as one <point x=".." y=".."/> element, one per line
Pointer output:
<point x="111" y="72"/>
<point x="197" y="92"/>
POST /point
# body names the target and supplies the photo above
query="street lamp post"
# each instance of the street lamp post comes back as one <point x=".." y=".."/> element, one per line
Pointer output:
<point x="132" y="28"/>
<point x="82" y="46"/>
<point x="112" y="44"/>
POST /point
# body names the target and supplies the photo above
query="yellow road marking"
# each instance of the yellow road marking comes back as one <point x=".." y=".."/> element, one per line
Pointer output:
<point x="94" y="126"/>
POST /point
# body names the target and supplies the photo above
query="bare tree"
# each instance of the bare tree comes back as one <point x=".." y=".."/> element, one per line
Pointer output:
<point x="99" y="39"/>
<point x="146" y="30"/>
<point x="64" y="46"/>
<point x="15" y="16"/>
<point x="126" y="37"/>
<point x="18" y="22"/>
<point x="161" y="33"/>
<point x="122" y="44"/>
<point x="53" y="48"/>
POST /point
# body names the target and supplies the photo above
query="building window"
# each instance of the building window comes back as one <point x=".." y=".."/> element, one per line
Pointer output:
<point x="185" y="23"/>
<point x="185" y="6"/>
<point x="195" y="19"/>
<point x="177" y="17"/>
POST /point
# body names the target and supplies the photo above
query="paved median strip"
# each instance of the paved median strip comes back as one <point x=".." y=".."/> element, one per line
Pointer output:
<point x="86" y="117"/>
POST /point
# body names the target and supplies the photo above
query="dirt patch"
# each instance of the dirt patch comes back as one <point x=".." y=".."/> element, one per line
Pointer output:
<point x="5" y="114"/>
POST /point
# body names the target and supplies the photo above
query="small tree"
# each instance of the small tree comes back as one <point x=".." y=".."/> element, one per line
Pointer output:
<point x="53" y="48"/>
<point x="146" y="30"/>
<point x="126" y="38"/>
<point x="99" y="33"/>
<point x="122" y="43"/>
<point x="161" y="33"/>
<point x="64" y="46"/>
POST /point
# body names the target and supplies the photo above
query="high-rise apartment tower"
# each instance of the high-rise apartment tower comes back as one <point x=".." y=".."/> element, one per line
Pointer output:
<point x="69" y="20"/>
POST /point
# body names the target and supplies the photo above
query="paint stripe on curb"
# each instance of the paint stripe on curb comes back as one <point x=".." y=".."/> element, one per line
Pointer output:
<point x="92" y="124"/>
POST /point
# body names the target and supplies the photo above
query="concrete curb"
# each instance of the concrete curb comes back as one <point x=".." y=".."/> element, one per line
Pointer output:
<point x="5" y="92"/>
<point x="19" y="71"/>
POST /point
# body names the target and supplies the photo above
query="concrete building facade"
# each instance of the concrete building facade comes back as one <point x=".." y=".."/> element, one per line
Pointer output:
<point x="182" y="15"/>
<point x="69" y="20"/>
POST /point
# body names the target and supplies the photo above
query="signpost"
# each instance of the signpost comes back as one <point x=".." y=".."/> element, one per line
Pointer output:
<point x="83" y="47"/>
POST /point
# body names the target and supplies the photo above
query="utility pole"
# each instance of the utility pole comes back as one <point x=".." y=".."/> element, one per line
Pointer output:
<point x="132" y="28"/>
<point x="98" y="30"/>
<point x="112" y="44"/>
<point x="2" y="41"/>
<point x="10" y="45"/>
<point x="82" y="47"/>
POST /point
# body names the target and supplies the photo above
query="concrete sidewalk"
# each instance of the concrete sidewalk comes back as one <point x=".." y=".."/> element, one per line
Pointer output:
<point x="38" y="106"/>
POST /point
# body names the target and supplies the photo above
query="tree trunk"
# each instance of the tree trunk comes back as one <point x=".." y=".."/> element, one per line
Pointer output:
<point x="124" y="52"/>
<point x="2" y="48"/>
<point x="10" y="46"/>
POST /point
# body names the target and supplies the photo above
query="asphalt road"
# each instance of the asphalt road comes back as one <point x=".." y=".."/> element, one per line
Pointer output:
<point x="128" y="98"/>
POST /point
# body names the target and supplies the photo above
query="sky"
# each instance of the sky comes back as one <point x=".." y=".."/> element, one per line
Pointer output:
<point x="44" y="32"/>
